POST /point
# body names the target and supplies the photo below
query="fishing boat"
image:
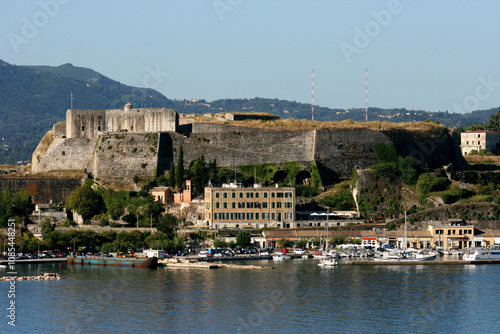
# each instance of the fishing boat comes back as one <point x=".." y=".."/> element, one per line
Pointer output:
<point x="103" y="260"/>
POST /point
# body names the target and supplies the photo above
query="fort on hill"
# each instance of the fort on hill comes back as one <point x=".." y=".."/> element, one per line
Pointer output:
<point x="118" y="144"/>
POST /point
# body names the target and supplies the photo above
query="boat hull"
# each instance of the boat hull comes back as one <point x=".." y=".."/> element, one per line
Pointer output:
<point x="113" y="261"/>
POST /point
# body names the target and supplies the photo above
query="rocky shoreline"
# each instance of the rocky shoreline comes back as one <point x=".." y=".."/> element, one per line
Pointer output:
<point x="44" y="277"/>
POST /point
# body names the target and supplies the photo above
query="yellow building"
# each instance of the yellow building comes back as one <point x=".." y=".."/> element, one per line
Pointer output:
<point x="452" y="235"/>
<point x="232" y="206"/>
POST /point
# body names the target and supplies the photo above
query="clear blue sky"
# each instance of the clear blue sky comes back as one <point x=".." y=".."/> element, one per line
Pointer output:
<point x="432" y="55"/>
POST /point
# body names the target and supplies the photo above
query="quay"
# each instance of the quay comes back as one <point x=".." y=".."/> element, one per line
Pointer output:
<point x="33" y="261"/>
<point x="425" y="263"/>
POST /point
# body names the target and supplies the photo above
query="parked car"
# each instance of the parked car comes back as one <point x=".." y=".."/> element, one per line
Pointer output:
<point x="299" y="251"/>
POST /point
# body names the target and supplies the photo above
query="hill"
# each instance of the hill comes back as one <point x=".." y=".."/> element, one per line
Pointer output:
<point x="33" y="98"/>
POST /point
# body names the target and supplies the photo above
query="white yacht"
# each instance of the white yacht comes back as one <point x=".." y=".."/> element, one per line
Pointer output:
<point x="482" y="254"/>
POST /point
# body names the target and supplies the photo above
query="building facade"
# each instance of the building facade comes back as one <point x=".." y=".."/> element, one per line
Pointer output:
<point x="478" y="140"/>
<point x="232" y="206"/>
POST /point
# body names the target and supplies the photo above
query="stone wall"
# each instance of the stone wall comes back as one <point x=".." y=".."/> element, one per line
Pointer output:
<point x="121" y="156"/>
<point x="64" y="154"/>
<point x="42" y="190"/>
<point x="92" y="123"/>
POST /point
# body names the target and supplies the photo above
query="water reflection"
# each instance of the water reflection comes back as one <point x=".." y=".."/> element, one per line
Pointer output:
<point x="296" y="296"/>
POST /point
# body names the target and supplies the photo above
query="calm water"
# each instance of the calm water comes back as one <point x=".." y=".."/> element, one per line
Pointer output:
<point x="297" y="296"/>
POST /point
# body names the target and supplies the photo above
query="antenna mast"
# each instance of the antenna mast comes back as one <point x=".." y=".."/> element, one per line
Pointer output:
<point x="366" y="96"/>
<point x="312" y="92"/>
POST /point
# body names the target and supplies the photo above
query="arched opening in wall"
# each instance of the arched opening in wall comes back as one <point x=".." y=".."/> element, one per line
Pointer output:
<point x="279" y="176"/>
<point x="303" y="178"/>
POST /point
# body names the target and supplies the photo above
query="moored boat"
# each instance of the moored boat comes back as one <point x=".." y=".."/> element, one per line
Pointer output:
<point x="328" y="262"/>
<point x="482" y="254"/>
<point x="101" y="260"/>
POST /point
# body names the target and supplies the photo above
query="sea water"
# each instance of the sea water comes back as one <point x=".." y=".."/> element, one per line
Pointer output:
<point x="296" y="296"/>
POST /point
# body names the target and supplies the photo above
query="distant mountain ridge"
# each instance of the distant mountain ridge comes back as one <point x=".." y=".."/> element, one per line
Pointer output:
<point x="33" y="98"/>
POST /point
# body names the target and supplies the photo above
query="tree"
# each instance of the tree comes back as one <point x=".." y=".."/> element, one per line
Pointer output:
<point x="220" y="243"/>
<point x="179" y="175"/>
<point x="301" y="243"/>
<point x="336" y="240"/>
<point x="85" y="202"/>
<point x="284" y="243"/>
<point x="475" y="127"/>
<point x="316" y="241"/>
<point x="21" y="203"/>
<point x="494" y="122"/>
<point x="167" y="225"/>
<point x="171" y="176"/>
<point x="243" y="239"/>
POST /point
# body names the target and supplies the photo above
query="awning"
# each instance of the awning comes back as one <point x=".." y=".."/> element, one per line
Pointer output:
<point x="478" y="238"/>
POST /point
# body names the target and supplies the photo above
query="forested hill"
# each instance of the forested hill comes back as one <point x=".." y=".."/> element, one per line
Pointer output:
<point x="34" y="98"/>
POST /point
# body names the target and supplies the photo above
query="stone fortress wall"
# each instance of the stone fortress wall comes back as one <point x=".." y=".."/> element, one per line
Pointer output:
<point x="92" y="123"/>
<point x="116" y="155"/>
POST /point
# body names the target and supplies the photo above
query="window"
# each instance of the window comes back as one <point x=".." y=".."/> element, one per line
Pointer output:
<point x="256" y="195"/>
<point x="217" y="216"/>
<point x="288" y="215"/>
<point x="249" y="195"/>
<point x="241" y="205"/>
<point x="273" y="205"/>
<point x="241" y="216"/>
<point x="233" y="195"/>
<point x="249" y="215"/>
<point x="234" y="215"/>
<point x="257" y="215"/>
<point x="265" y="195"/>
<point x="241" y="195"/>
<point x="224" y="195"/>
<point x="249" y="205"/>
<point x="265" y="215"/>
<point x="288" y="195"/>
<point x="216" y="205"/>
<point x="256" y="205"/>
<point x="273" y="195"/>
<point x="278" y="205"/>
<point x="264" y="205"/>
<point x="83" y="128"/>
<point x="217" y="195"/>
<point x="225" y="215"/>
<point x="273" y="215"/>
<point x="478" y="135"/>
<point x="224" y="205"/>
<point x="279" y="195"/>
<point x="233" y="205"/>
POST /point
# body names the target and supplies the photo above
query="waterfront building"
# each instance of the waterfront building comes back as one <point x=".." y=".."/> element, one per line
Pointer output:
<point x="232" y="206"/>
<point x="478" y="140"/>
<point x="453" y="235"/>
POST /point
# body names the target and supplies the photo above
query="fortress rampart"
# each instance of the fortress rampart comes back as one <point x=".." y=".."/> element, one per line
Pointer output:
<point x="96" y="141"/>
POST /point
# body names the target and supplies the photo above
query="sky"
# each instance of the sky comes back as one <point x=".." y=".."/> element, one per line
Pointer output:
<point x="426" y="55"/>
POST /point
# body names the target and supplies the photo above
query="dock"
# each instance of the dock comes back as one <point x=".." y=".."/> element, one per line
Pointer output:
<point x="418" y="263"/>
